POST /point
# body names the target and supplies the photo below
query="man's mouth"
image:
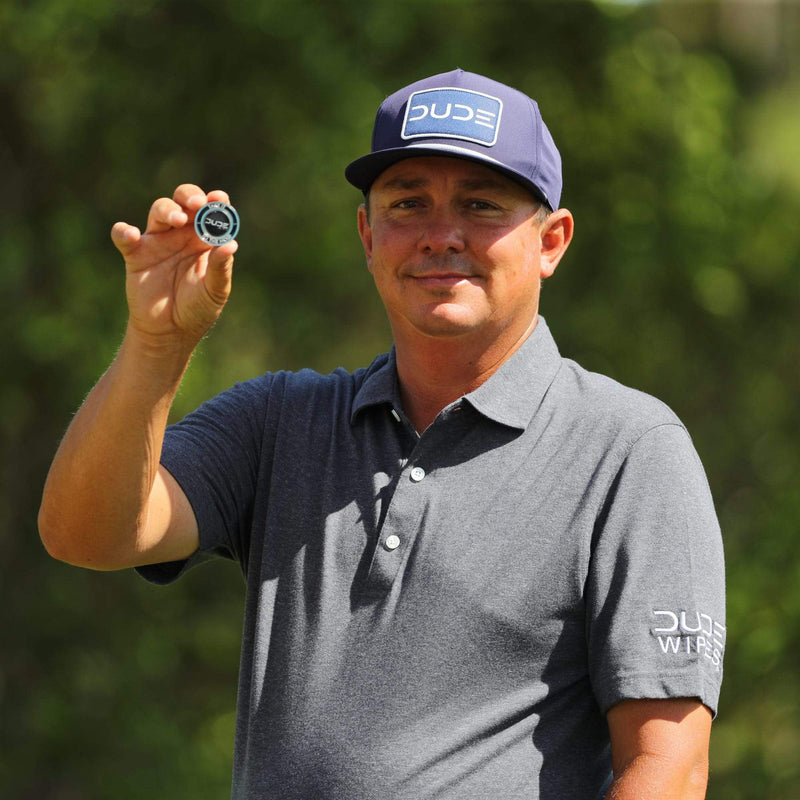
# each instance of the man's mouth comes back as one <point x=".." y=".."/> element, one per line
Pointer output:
<point x="440" y="279"/>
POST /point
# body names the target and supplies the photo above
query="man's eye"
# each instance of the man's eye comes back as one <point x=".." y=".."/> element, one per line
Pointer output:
<point x="405" y="204"/>
<point x="481" y="205"/>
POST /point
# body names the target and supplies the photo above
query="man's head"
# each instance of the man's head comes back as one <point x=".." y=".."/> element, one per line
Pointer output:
<point x="464" y="115"/>
<point x="463" y="185"/>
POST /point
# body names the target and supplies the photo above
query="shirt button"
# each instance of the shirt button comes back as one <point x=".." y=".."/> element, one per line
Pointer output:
<point x="417" y="474"/>
<point x="392" y="542"/>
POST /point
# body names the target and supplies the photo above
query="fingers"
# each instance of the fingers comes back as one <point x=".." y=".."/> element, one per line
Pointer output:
<point x="165" y="214"/>
<point x="218" y="195"/>
<point x="168" y="213"/>
<point x="187" y="199"/>
<point x="125" y="237"/>
<point x="189" y="196"/>
<point x="192" y="197"/>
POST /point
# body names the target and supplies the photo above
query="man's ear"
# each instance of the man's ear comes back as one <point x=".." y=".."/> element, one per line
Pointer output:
<point x="555" y="236"/>
<point x="365" y="232"/>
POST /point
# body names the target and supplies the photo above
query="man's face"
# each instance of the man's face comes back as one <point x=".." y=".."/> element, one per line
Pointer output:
<point x="455" y="248"/>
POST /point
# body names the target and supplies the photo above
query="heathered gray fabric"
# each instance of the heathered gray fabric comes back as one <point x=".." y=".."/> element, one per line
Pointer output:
<point x="560" y="554"/>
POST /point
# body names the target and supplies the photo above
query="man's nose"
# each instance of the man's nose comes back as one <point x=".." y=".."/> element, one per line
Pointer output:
<point x="442" y="232"/>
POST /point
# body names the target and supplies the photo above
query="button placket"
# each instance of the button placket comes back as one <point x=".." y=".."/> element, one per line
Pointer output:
<point x="399" y="530"/>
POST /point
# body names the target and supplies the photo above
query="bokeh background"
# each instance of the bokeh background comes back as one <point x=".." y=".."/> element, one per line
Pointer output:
<point x="679" y="126"/>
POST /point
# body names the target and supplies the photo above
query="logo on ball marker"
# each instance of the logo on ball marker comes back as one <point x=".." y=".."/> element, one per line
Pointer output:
<point x="217" y="223"/>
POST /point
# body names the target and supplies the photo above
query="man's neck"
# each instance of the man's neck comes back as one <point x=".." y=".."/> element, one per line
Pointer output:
<point x="435" y="371"/>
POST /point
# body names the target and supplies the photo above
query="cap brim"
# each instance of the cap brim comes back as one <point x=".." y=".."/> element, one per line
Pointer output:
<point x="363" y="171"/>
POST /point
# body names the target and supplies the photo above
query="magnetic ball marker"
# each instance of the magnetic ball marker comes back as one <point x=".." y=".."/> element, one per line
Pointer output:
<point x="217" y="223"/>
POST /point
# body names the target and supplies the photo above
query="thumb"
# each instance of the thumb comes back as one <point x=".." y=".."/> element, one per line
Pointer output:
<point x="219" y="272"/>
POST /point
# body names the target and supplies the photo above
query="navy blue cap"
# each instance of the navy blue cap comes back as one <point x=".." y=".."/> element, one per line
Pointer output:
<point x="464" y="115"/>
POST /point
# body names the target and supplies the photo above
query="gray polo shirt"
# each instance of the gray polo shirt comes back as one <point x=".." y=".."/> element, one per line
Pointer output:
<point x="451" y="615"/>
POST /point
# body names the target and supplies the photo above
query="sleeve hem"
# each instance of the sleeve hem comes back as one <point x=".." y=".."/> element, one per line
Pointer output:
<point x="169" y="571"/>
<point x="659" y="686"/>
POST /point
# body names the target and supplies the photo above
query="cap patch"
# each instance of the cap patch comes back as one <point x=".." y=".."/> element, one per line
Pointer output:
<point x="453" y="114"/>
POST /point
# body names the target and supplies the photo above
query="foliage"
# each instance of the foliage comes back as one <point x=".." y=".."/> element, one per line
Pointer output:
<point x="678" y="128"/>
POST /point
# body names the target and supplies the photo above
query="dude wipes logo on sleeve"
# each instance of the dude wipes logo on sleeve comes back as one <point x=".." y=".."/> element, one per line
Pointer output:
<point x="686" y="632"/>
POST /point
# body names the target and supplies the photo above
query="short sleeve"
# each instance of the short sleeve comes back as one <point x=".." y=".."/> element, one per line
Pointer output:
<point x="656" y="588"/>
<point x="215" y="456"/>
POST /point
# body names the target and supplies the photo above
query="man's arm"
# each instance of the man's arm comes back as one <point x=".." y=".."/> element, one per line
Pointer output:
<point x="107" y="503"/>
<point x="659" y="749"/>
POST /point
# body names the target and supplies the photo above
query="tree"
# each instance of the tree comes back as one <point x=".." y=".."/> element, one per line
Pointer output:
<point x="677" y="128"/>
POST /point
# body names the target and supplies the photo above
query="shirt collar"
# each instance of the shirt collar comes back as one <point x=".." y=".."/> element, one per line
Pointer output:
<point x="514" y="393"/>
<point x="379" y="385"/>
<point x="511" y="396"/>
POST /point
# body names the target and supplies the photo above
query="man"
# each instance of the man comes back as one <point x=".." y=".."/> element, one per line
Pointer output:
<point x="474" y="570"/>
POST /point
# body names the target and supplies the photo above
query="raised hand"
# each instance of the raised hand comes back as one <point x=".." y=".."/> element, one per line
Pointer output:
<point x="177" y="285"/>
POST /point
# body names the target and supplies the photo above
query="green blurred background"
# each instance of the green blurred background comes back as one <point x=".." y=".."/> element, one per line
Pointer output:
<point x="679" y="125"/>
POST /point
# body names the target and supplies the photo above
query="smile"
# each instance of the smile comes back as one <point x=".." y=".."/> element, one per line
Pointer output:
<point x="441" y="279"/>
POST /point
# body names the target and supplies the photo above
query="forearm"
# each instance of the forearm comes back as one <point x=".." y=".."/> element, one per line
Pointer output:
<point x="95" y="500"/>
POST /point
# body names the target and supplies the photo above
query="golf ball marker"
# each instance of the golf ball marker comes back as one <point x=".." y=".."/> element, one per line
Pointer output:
<point x="217" y="223"/>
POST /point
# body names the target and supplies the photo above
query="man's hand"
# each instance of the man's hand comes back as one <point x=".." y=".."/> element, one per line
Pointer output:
<point x="177" y="285"/>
